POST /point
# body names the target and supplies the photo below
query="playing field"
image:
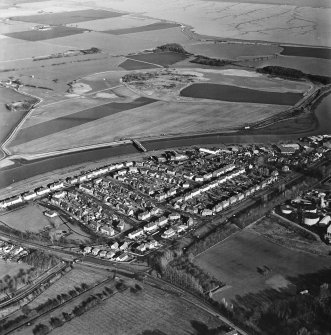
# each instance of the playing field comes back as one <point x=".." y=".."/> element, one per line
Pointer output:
<point x="28" y="218"/>
<point x="236" y="261"/>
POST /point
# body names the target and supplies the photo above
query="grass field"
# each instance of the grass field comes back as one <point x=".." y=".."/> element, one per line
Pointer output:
<point x="75" y="277"/>
<point x="132" y="314"/>
<point x="66" y="17"/>
<point x="236" y="260"/>
<point x="11" y="268"/>
<point x="29" y="218"/>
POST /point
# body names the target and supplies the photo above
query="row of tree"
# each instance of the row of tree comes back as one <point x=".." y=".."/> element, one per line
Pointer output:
<point x="78" y="310"/>
<point x="179" y="269"/>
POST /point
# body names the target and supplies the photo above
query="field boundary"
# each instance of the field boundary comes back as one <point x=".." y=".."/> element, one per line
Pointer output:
<point x="316" y="237"/>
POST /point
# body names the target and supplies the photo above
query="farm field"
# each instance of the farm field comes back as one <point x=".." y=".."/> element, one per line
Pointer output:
<point x="8" y="119"/>
<point x="130" y="64"/>
<point x="65" y="17"/>
<point x="168" y="118"/>
<point x="111" y="44"/>
<point x="68" y="282"/>
<point x="28" y="218"/>
<point x="76" y="119"/>
<point x="11" y="268"/>
<point x="120" y="22"/>
<point x="152" y="26"/>
<point x="309" y="65"/>
<point x="41" y="35"/>
<point x="131" y="314"/>
<point x="159" y="58"/>
<point x="16" y="53"/>
<point x="237" y="259"/>
<point x="239" y="94"/>
<point x="228" y="50"/>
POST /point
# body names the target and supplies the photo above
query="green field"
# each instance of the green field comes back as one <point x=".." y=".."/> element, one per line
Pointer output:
<point x="11" y="268"/>
<point x="237" y="259"/>
<point x="28" y="218"/>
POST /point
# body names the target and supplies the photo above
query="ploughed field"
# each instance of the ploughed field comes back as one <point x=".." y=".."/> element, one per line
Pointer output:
<point x="76" y="119"/>
<point x="239" y="94"/>
<point x="236" y="262"/>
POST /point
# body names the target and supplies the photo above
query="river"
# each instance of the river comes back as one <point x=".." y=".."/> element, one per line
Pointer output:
<point x="25" y="169"/>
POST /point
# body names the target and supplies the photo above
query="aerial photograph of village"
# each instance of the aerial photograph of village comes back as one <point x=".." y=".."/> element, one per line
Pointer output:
<point x="165" y="167"/>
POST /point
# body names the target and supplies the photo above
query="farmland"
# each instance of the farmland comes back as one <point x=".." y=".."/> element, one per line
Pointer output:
<point x="120" y="22"/>
<point x="68" y="282"/>
<point x="63" y="18"/>
<point x="228" y="50"/>
<point x="152" y="26"/>
<point x="157" y="311"/>
<point x="236" y="261"/>
<point x="159" y="58"/>
<point x="76" y="119"/>
<point x="309" y="65"/>
<point x="168" y="118"/>
<point x="40" y="35"/>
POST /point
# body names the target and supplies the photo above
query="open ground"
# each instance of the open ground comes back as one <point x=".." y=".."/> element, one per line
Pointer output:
<point x="237" y="259"/>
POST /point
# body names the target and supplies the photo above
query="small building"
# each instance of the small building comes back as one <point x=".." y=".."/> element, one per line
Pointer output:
<point x="51" y="214"/>
<point x="135" y="234"/>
